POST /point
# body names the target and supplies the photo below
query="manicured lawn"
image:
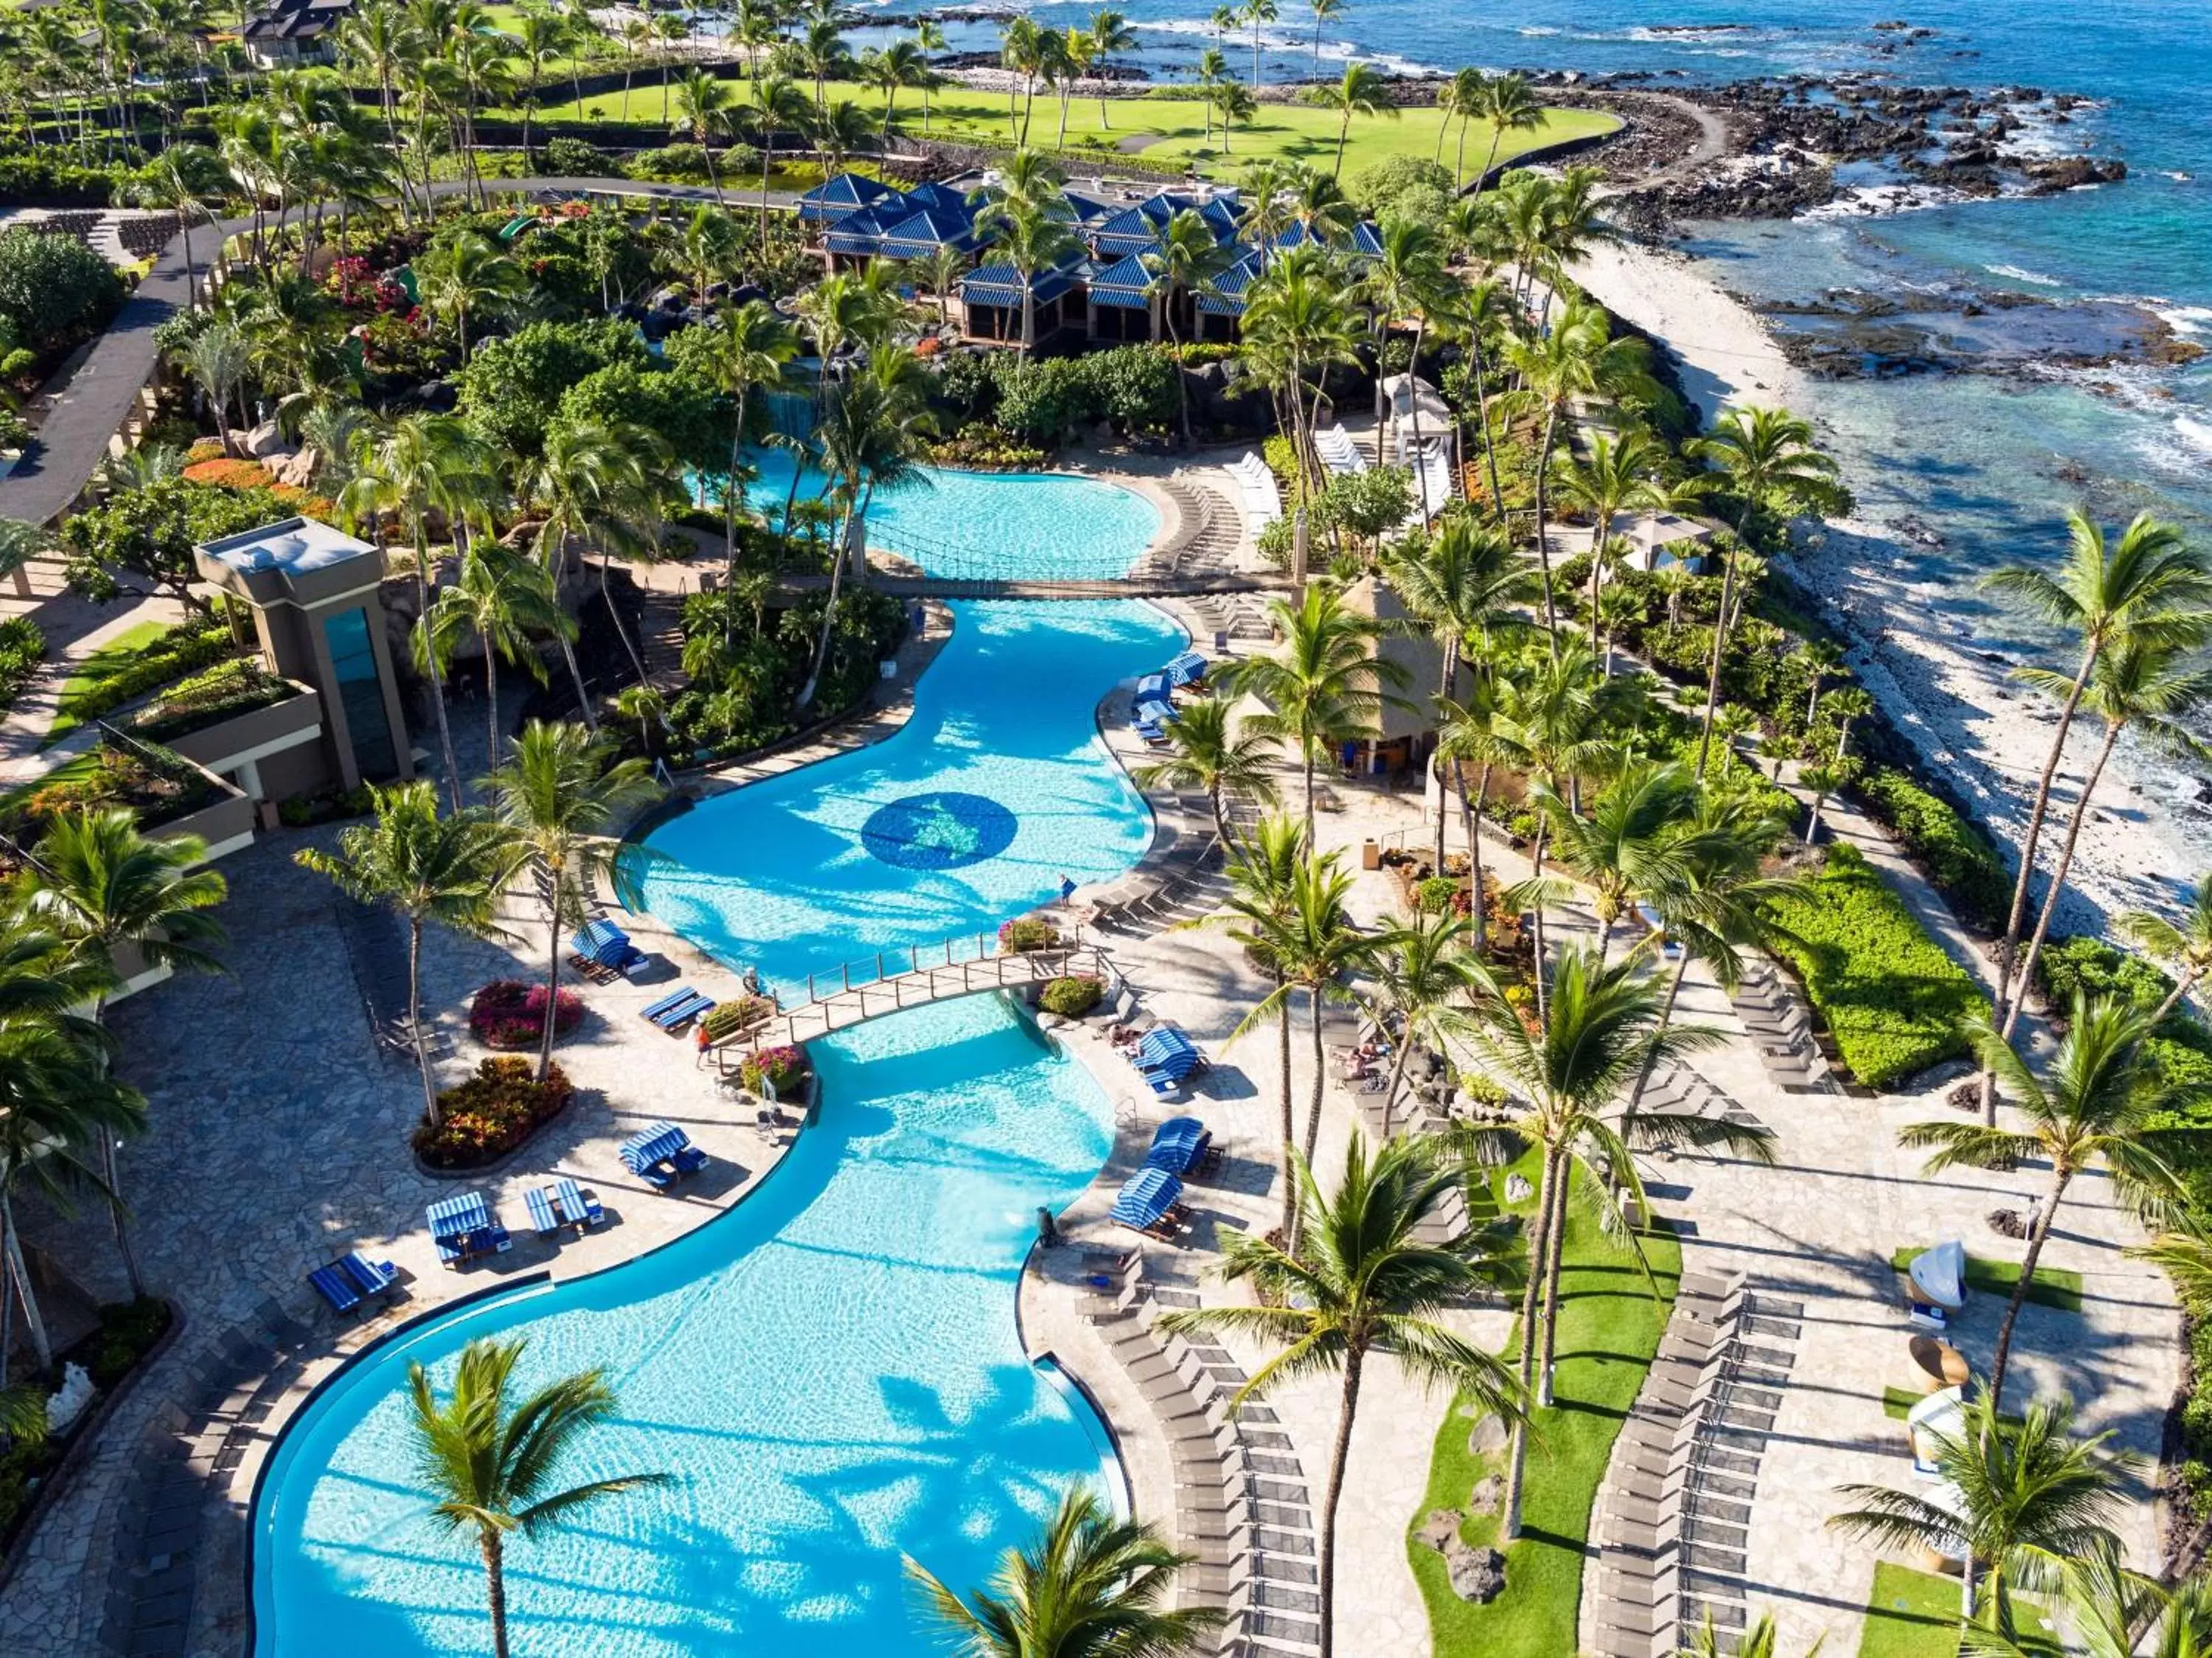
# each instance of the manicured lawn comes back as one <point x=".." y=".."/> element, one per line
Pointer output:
<point x="1176" y="126"/>
<point x="76" y="768"/>
<point x="1609" y="1327"/>
<point x="2054" y="1286"/>
<point x="1911" y="1614"/>
<point x="1897" y="1404"/>
<point x="110" y="658"/>
<point x="1894" y="1003"/>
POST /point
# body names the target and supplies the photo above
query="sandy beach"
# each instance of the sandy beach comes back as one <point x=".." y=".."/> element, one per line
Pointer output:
<point x="1893" y="598"/>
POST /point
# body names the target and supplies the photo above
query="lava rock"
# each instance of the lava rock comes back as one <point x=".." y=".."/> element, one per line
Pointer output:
<point x="1478" y="1576"/>
<point x="1488" y="1494"/>
<point x="1488" y="1436"/>
<point x="1441" y="1529"/>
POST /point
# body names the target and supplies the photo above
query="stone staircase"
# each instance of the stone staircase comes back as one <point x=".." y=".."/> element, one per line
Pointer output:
<point x="660" y="638"/>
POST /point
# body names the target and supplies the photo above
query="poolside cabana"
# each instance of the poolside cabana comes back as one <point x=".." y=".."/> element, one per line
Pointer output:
<point x="1403" y="735"/>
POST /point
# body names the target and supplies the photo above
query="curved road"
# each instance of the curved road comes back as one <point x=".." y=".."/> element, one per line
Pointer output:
<point x="92" y="406"/>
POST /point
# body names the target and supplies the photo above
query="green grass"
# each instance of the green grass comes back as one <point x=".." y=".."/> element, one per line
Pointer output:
<point x="96" y="670"/>
<point x="76" y="768"/>
<point x="1176" y="126"/>
<point x="1897" y="1404"/>
<point x="1911" y="1614"/>
<point x="2054" y="1286"/>
<point x="1609" y="1327"/>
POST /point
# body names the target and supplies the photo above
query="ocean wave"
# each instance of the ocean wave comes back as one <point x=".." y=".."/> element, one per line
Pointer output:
<point x="2015" y="273"/>
<point x="2196" y="432"/>
<point x="2183" y="319"/>
<point x="1882" y="201"/>
<point x="1281" y="43"/>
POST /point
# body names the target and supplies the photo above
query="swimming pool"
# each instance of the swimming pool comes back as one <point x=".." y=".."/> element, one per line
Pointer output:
<point x="997" y="788"/>
<point x="832" y="1371"/>
<point x="1007" y="526"/>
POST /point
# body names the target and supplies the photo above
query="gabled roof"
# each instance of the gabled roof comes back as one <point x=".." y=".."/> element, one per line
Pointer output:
<point x="859" y="232"/>
<point x="1124" y="283"/>
<point x="296" y="19"/>
<point x="921" y="232"/>
<point x="1001" y="285"/>
<point x="1227" y="297"/>
<point x="846" y="194"/>
<point x="940" y="196"/>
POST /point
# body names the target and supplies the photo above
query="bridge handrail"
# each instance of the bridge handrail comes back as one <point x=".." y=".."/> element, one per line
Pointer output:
<point x="889" y="969"/>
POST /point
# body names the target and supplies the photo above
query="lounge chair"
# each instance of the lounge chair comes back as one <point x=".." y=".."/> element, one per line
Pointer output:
<point x="538" y="1200"/>
<point x="688" y="1008"/>
<point x="667" y="1002"/>
<point x="576" y="1210"/>
<point x="370" y="1277"/>
<point x="1149" y="1202"/>
<point x="1939" y="1275"/>
<point x="464" y="1227"/>
<point x="333" y="1284"/>
<point x="645" y="1152"/>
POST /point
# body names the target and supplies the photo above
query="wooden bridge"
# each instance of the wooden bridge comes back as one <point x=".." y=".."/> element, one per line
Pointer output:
<point x="896" y="980"/>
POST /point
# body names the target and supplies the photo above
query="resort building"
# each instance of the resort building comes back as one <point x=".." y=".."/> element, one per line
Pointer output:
<point x="292" y="33"/>
<point x="314" y="593"/>
<point x="1100" y="294"/>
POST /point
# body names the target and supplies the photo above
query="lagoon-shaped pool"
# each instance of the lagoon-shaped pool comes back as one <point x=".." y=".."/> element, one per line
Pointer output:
<point x="832" y="1370"/>
<point x="997" y="789"/>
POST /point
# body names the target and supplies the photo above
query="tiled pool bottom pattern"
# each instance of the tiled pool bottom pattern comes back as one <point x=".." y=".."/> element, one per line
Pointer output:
<point x="995" y="790"/>
<point x="831" y="1371"/>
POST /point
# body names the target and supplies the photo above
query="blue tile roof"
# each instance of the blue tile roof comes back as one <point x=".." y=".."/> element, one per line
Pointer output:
<point x="930" y="228"/>
<point x="1127" y="275"/>
<point x="846" y="194"/>
<point x="1001" y="285"/>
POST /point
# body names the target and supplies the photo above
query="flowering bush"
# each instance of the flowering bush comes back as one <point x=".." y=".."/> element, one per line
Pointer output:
<point x="785" y="1068"/>
<point x="507" y="1013"/>
<point x="1029" y="933"/>
<point x="491" y="1113"/>
<point x="230" y="474"/>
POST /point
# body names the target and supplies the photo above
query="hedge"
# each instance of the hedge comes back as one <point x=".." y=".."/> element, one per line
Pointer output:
<point x="1952" y="850"/>
<point x="22" y="649"/>
<point x="1894" y="1003"/>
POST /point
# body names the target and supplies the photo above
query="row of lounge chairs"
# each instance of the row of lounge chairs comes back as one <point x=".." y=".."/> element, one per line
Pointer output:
<point x="352" y="1279"/>
<point x="660" y="1155"/>
<point x="1260" y="497"/>
<point x="563" y="1204"/>
<point x="1338" y="451"/>
<point x="602" y="952"/>
<point x="676" y="1010"/>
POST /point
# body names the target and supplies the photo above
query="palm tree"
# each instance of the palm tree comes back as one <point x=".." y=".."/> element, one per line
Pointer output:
<point x="1365" y="1285"/>
<point x="2183" y="947"/>
<point x="929" y="36"/>
<point x="1023" y="49"/>
<point x="1109" y="33"/>
<point x="1210" y="748"/>
<point x="1619" y="473"/>
<point x="1323" y="10"/>
<point x="1363" y="91"/>
<point x="1769" y="459"/>
<point x="1257" y="12"/>
<point x="1325" y="686"/>
<point x="1316" y="945"/>
<point x="57" y="1099"/>
<point x="1461" y="583"/>
<point x="2152" y="681"/>
<point x="1188" y="259"/>
<point x="2029" y="1495"/>
<point x="1761" y="1640"/>
<point x="426" y="868"/>
<point x="1033" y="237"/>
<point x="1600" y="1025"/>
<point x="2110" y="1607"/>
<point x="500" y="598"/>
<point x="489" y="1464"/>
<point x="777" y="105"/>
<point x="101" y="887"/>
<point x="424" y="464"/>
<point x="1091" y="1584"/>
<point x="753" y="344"/>
<point x="891" y="71"/>
<point x="703" y="110"/>
<point x="2099" y="1097"/>
<point x="601" y="484"/>
<point x="1507" y="104"/>
<point x="219" y="358"/>
<point x="1233" y="103"/>
<point x="563" y="804"/>
<point x="1634" y="845"/>
<point x="1262" y="878"/>
<point x="645" y="704"/>
<point x="1427" y="973"/>
<point x="470" y="273"/>
<point x="1578" y="359"/>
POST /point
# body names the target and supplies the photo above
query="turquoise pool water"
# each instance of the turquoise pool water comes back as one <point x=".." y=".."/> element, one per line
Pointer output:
<point x="996" y="789"/>
<point x="832" y="1371"/>
<point x="1010" y="526"/>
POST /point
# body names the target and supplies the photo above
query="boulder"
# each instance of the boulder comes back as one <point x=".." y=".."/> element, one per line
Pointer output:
<point x="1518" y="1189"/>
<point x="296" y="470"/>
<point x="1478" y="1576"/>
<point x="1441" y="1529"/>
<point x="262" y="442"/>
<point x="1489" y="1493"/>
<point x="1489" y="1435"/>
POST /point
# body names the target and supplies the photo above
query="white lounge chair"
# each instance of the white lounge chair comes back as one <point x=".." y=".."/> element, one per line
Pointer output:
<point x="1939" y="1274"/>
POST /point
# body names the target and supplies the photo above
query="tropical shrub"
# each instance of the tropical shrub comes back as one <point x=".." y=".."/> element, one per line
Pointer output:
<point x="784" y="1068"/>
<point x="54" y="288"/>
<point x="1952" y="850"/>
<point x="224" y="692"/>
<point x="1439" y="894"/>
<point x="671" y="164"/>
<point x="491" y="1113"/>
<point x="508" y="1013"/>
<point x="2071" y="966"/>
<point x="512" y="386"/>
<point x="22" y="649"/>
<point x="1135" y="385"/>
<point x="739" y="1014"/>
<point x="573" y="158"/>
<point x="149" y="533"/>
<point x="160" y="786"/>
<point x="981" y="448"/>
<point x="229" y="474"/>
<point x="127" y="1333"/>
<point x="332" y="806"/>
<point x="690" y="416"/>
<point x="181" y="652"/>
<point x="1026" y="934"/>
<point x="1894" y="1003"/>
<point x="1072" y="997"/>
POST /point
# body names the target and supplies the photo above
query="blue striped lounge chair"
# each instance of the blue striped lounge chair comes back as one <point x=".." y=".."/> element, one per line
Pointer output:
<point x="682" y="1011"/>
<point x="658" y="1008"/>
<point x="370" y="1277"/>
<point x="538" y="1200"/>
<point x="333" y="1284"/>
<point x="576" y="1210"/>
